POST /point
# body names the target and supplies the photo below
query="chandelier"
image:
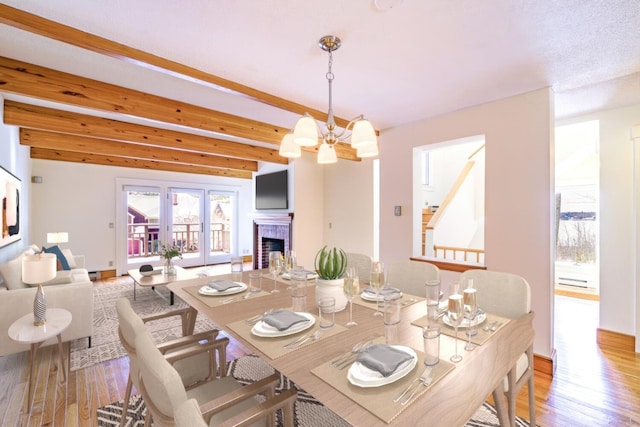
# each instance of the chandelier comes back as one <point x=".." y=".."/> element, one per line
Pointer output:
<point x="359" y="131"/>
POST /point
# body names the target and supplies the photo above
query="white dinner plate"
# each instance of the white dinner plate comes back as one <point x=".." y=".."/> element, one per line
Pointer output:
<point x="481" y="317"/>
<point x="368" y="296"/>
<point x="310" y="276"/>
<point x="262" y="329"/>
<point x="206" y="290"/>
<point x="361" y="376"/>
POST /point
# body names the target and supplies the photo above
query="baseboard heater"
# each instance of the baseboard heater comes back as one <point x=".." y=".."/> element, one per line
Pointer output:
<point x="568" y="281"/>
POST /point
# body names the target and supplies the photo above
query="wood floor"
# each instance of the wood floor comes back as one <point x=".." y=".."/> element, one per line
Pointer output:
<point x="592" y="386"/>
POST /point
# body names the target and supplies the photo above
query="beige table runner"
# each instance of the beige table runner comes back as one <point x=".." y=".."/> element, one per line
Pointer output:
<point x="214" y="301"/>
<point x="406" y="301"/>
<point x="379" y="400"/>
<point x="274" y="346"/>
<point x="480" y="338"/>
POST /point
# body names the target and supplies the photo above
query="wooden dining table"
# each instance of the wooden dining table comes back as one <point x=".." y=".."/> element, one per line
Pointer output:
<point x="451" y="401"/>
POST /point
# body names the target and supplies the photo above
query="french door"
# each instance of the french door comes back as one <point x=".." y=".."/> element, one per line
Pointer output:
<point x="201" y="222"/>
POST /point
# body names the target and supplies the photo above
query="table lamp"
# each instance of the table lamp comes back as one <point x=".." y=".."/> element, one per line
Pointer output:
<point x="37" y="269"/>
<point x="58" y="237"/>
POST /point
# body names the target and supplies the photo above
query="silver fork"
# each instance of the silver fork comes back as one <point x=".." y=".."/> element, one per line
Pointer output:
<point x="410" y="385"/>
<point x="407" y="302"/>
<point x="314" y="336"/>
<point x="255" y="319"/>
<point x="425" y="379"/>
<point x="296" y="341"/>
<point x="488" y="326"/>
<point x="495" y="326"/>
<point x="348" y="360"/>
<point x="228" y="300"/>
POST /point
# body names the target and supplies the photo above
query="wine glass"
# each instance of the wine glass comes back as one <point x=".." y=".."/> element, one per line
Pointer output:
<point x="351" y="288"/>
<point x="275" y="266"/>
<point x="455" y="313"/>
<point x="470" y="306"/>
<point x="289" y="261"/>
<point x="377" y="281"/>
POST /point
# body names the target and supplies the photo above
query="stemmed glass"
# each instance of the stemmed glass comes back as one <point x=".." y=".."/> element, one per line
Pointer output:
<point x="351" y="288"/>
<point x="275" y="266"/>
<point x="377" y="281"/>
<point x="470" y="304"/>
<point x="455" y="313"/>
<point x="289" y="261"/>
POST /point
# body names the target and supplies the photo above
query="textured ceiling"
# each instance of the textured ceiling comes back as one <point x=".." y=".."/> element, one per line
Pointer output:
<point x="416" y="59"/>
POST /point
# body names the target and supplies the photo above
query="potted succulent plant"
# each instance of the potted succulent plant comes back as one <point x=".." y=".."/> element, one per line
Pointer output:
<point x="331" y="264"/>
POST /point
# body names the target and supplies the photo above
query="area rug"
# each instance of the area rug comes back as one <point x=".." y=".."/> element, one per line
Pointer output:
<point x="105" y="343"/>
<point x="308" y="411"/>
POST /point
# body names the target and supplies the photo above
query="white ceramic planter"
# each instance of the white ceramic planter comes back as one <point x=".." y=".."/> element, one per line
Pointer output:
<point x="332" y="288"/>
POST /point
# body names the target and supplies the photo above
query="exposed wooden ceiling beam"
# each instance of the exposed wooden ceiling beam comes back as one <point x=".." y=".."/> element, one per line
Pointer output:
<point x="43" y="83"/>
<point x="44" y="27"/>
<point x="51" y="85"/>
<point x="36" y="117"/>
<point x="81" y="144"/>
<point x="68" y="156"/>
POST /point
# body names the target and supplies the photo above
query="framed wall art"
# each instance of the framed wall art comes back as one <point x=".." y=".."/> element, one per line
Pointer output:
<point x="10" y="193"/>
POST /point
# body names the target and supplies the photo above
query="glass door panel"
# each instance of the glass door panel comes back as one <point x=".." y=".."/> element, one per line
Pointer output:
<point x="143" y="225"/>
<point x="222" y="236"/>
<point x="185" y="230"/>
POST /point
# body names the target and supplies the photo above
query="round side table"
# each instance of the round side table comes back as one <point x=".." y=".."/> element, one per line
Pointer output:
<point x="24" y="331"/>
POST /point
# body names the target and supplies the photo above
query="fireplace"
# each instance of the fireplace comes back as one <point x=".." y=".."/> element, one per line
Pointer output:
<point x="270" y="233"/>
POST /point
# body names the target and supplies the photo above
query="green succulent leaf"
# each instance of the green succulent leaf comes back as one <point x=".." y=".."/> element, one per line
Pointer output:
<point x="330" y="263"/>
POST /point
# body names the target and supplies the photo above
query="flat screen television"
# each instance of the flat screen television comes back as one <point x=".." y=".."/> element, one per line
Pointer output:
<point x="272" y="191"/>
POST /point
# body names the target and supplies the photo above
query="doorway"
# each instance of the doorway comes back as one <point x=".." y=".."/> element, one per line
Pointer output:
<point x="577" y="213"/>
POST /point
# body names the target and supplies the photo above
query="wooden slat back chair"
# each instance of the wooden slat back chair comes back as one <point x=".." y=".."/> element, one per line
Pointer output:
<point x="507" y="295"/>
<point x="130" y="325"/>
<point x="362" y="263"/>
<point x="221" y="402"/>
<point x="411" y="276"/>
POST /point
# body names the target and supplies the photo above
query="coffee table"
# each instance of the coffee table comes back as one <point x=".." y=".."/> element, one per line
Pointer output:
<point x="159" y="279"/>
<point x="24" y="331"/>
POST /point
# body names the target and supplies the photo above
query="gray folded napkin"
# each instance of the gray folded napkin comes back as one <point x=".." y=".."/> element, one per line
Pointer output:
<point x="283" y="319"/>
<point x="383" y="291"/>
<point x="383" y="358"/>
<point x="221" y="285"/>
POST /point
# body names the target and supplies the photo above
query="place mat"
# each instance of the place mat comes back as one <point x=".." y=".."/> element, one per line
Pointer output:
<point x="379" y="400"/>
<point x="273" y="347"/>
<point x="406" y="301"/>
<point x="480" y="338"/>
<point x="215" y="301"/>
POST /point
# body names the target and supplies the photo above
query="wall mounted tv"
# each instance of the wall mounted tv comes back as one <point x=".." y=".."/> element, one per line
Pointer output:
<point x="272" y="191"/>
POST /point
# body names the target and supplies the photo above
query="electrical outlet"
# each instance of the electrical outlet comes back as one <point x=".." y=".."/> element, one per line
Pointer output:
<point x="110" y="263"/>
<point x="110" y="225"/>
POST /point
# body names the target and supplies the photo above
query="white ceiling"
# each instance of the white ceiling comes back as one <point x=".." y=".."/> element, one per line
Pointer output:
<point x="413" y="60"/>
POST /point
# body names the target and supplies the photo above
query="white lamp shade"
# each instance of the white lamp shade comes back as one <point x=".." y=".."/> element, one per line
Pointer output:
<point x="38" y="268"/>
<point x="370" y="150"/>
<point x="288" y="148"/>
<point x="305" y="134"/>
<point x="327" y="154"/>
<point x="363" y="134"/>
<point x="59" y="237"/>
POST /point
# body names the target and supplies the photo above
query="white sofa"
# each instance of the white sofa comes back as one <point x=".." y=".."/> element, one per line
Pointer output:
<point x="70" y="289"/>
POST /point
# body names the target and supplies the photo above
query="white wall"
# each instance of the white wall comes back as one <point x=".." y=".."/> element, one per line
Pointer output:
<point x="14" y="158"/>
<point x="618" y="252"/>
<point x="518" y="190"/>
<point x="80" y="199"/>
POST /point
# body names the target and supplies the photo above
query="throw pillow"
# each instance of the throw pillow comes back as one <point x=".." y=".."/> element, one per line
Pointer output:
<point x="70" y="259"/>
<point x="11" y="272"/>
<point x="58" y="253"/>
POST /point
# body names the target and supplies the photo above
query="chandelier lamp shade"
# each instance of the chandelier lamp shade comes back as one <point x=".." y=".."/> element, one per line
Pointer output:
<point x="359" y="132"/>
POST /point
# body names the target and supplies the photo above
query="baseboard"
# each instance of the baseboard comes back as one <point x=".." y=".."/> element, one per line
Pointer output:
<point x="545" y="365"/>
<point x="616" y="341"/>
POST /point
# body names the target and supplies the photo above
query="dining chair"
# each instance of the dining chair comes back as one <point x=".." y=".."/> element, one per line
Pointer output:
<point x="362" y="263"/>
<point x="221" y="402"/>
<point x="411" y="276"/>
<point x="507" y="295"/>
<point x="200" y="368"/>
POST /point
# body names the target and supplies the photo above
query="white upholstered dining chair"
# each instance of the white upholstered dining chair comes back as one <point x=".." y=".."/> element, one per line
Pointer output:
<point x="507" y="295"/>
<point x="200" y="368"/>
<point x="411" y="276"/>
<point x="221" y="402"/>
<point x="362" y="263"/>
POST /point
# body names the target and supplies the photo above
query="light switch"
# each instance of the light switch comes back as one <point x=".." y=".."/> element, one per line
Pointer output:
<point x="397" y="210"/>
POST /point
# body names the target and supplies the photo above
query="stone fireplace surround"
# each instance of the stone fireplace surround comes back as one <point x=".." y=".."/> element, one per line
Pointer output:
<point x="278" y="227"/>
